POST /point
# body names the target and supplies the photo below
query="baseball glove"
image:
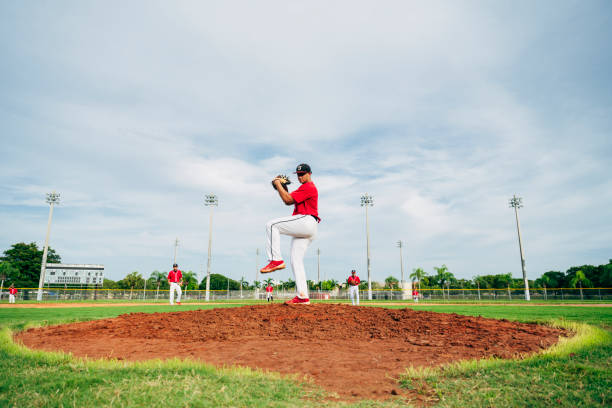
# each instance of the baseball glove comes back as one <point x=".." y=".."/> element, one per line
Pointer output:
<point x="284" y="181"/>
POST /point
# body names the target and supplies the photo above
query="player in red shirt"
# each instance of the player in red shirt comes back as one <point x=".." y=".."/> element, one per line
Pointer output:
<point x="353" y="282"/>
<point x="12" y="293"/>
<point x="302" y="226"/>
<point x="269" y="290"/>
<point x="415" y="295"/>
<point x="175" y="279"/>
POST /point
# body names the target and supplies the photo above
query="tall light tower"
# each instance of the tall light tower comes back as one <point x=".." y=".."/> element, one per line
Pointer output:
<point x="211" y="201"/>
<point x="319" y="268"/>
<point x="176" y="242"/>
<point x="368" y="201"/>
<point x="256" y="273"/>
<point x="516" y="203"/>
<point x="52" y="199"/>
<point x="400" y="244"/>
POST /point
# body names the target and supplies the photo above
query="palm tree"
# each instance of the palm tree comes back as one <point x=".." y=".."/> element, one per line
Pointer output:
<point x="443" y="276"/>
<point x="579" y="278"/>
<point x="391" y="282"/>
<point x="417" y="274"/>
<point x="189" y="277"/>
<point x="157" y="277"/>
<point x="546" y="281"/>
<point x="132" y="280"/>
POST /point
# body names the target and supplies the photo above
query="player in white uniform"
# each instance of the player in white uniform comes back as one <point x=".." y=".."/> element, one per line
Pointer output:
<point x="302" y="226"/>
<point x="353" y="283"/>
<point x="175" y="279"/>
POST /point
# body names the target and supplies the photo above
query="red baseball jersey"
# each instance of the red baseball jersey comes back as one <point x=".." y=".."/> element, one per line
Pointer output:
<point x="354" y="281"/>
<point x="306" y="199"/>
<point x="175" y="276"/>
<point x="13" y="291"/>
<point x="269" y="289"/>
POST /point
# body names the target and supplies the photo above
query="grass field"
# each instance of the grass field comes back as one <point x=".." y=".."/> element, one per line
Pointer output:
<point x="575" y="373"/>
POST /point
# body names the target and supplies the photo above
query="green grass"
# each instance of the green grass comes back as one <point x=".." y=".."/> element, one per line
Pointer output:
<point x="575" y="373"/>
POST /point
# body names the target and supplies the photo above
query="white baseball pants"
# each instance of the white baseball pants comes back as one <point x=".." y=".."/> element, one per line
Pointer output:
<point x="11" y="298"/>
<point x="175" y="287"/>
<point x="354" y="294"/>
<point x="303" y="229"/>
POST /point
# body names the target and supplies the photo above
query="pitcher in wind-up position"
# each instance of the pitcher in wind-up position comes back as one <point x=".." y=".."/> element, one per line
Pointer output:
<point x="302" y="226"/>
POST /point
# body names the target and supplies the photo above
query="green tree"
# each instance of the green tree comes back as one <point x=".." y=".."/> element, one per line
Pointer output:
<point x="579" y="279"/>
<point x="110" y="284"/>
<point x="132" y="281"/>
<point x="417" y="275"/>
<point x="26" y="259"/>
<point x="190" y="280"/>
<point x="159" y="280"/>
<point x="443" y="277"/>
<point x="391" y="282"/>
<point x="219" y="282"/>
<point x="329" y="284"/>
<point x="8" y="272"/>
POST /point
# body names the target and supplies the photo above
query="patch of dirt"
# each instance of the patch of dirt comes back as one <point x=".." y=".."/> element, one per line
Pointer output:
<point x="357" y="352"/>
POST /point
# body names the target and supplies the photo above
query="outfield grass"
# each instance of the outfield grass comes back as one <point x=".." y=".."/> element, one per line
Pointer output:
<point x="577" y="373"/>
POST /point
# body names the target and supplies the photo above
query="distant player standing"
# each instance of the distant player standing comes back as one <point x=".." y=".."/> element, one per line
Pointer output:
<point x="302" y="226"/>
<point x="269" y="290"/>
<point x="175" y="279"/>
<point x="353" y="282"/>
<point x="12" y="293"/>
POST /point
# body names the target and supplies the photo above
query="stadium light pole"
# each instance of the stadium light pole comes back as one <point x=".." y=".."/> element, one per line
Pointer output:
<point x="319" y="268"/>
<point x="256" y="273"/>
<point x="516" y="203"/>
<point x="400" y="245"/>
<point x="176" y="242"/>
<point x="52" y="199"/>
<point x="211" y="201"/>
<point x="368" y="201"/>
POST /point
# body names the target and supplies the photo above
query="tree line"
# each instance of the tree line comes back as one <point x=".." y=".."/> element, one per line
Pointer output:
<point x="21" y="264"/>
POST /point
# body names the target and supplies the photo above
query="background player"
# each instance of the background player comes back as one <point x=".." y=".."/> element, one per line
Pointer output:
<point x="175" y="279"/>
<point x="269" y="290"/>
<point x="302" y="226"/>
<point x="12" y="293"/>
<point x="353" y="282"/>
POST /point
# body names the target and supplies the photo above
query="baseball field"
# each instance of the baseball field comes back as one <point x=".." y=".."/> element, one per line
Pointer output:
<point x="320" y="355"/>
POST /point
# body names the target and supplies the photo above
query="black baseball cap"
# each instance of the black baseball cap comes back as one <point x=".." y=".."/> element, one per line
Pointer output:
<point x="352" y="270"/>
<point x="173" y="265"/>
<point x="303" y="168"/>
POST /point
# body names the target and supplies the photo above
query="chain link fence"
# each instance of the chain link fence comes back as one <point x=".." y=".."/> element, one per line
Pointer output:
<point x="152" y="295"/>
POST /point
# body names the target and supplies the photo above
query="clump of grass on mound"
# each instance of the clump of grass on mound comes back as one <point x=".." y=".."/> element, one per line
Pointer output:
<point x="574" y="372"/>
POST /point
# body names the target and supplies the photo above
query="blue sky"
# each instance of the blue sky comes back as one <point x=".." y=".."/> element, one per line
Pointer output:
<point x="442" y="111"/>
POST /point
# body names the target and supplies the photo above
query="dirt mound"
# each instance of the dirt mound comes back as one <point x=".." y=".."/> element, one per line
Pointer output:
<point x="354" y="351"/>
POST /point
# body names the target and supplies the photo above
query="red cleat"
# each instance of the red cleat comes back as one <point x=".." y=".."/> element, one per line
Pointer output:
<point x="178" y="303"/>
<point x="298" y="301"/>
<point x="273" y="266"/>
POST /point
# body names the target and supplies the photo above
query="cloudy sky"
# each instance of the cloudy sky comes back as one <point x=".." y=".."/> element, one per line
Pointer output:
<point x="441" y="111"/>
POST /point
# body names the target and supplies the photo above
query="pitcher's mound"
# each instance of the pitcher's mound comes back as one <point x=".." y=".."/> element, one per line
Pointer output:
<point x="354" y="351"/>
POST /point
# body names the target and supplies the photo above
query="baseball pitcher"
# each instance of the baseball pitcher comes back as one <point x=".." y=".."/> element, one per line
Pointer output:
<point x="302" y="226"/>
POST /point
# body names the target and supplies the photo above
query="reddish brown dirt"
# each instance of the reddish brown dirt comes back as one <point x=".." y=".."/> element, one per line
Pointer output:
<point x="357" y="352"/>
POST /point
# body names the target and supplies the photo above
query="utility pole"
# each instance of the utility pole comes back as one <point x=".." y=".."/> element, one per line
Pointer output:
<point x="405" y="288"/>
<point x="256" y="273"/>
<point x="368" y="201"/>
<point x="211" y="201"/>
<point x="319" y="268"/>
<point x="399" y="245"/>
<point x="52" y="199"/>
<point x="176" y="242"/>
<point x="516" y="203"/>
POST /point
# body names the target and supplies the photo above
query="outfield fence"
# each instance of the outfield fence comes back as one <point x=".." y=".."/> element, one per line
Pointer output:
<point x="505" y="294"/>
